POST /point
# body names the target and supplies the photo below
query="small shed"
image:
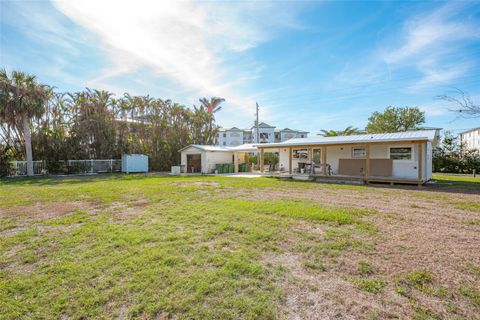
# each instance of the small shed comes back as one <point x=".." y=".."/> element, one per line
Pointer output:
<point x="134" y="163"/>
<point x="197" y="158"/>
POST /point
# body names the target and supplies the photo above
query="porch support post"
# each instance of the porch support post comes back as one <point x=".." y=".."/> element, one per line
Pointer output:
<point x="235" y="162"/>
<point x="420" y="162"/>
<point x="290" y="154"/>
<point x="367" y="161"/>
<point x="261" y="159"/>
<point x="324" y="160"/>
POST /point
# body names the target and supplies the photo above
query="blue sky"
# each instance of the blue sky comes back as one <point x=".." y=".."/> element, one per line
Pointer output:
<point x="310" y="65"/>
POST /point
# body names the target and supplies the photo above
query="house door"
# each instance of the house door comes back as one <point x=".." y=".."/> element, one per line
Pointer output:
<point x="194" y="163"/>
<point x="317" y="156"/>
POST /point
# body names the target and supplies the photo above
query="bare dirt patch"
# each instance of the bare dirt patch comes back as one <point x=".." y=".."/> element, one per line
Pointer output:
<point x="418" y="230"/>
<point x="39" y="211"/>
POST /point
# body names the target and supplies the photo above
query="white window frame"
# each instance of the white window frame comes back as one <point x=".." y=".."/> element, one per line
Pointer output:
<point x="296" y="153"/>
<point x="359" y="157"/>
<point x="412" y="153"/>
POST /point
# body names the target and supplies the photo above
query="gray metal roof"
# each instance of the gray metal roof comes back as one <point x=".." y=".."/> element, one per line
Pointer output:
<point x="361" y="138"/>
<point x="470" y="130"/>
<point x="240" y="148"/>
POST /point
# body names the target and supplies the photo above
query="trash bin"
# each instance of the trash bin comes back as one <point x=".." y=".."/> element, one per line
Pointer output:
<point x="219" y="168"/>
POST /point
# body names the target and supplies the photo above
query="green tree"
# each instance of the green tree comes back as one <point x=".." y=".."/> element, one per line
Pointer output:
<point x="348" y="131"/>
<point x="212" y="105"/>
<point x="22" y="99"/>
<point x="395" y="119"/>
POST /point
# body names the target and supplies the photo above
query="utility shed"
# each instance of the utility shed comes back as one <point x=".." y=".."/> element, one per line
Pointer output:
<point x="134" y="163"/>
<point x="197" y="158"/>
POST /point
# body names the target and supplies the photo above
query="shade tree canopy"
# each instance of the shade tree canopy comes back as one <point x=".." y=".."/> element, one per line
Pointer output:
<point x="395" y="119"/>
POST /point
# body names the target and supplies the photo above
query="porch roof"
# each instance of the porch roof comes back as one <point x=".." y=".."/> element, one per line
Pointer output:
<point x="240" y="148"/>
<point x="420" y="135"/>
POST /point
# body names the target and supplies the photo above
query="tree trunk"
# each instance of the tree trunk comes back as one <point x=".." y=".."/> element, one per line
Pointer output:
<point x="28" y="146"/>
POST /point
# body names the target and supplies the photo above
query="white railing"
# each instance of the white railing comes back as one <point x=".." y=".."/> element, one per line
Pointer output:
<point x="20" y="167"/>
<point x="72" y="166"/>
<point x="95" y="166"/>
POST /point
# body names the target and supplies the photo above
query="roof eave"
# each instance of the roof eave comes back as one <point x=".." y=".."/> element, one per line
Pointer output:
<point x="338" y="142"/>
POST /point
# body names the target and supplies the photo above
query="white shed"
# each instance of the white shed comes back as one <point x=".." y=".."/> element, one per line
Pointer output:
<point x="134" y="163"/>
<point x="197" y="158"/>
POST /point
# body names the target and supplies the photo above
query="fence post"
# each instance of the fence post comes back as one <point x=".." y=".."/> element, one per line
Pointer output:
<point x="91" y="166"/>
<point x="111" y="165"/>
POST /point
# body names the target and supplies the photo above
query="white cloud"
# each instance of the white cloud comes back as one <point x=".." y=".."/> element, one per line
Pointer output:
<point x="425" y="33"/>
<point x="432" y="43"/>
<point x="185" y="42"/>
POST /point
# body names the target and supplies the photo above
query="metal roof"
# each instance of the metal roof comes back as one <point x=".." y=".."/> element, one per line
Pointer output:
<point x="240" y="148"/>
<point x="470" y="130"/>
<point x="420" y="135"/>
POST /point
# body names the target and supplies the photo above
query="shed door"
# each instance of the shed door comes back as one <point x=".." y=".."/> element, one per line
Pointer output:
<point x="194" y="162"/>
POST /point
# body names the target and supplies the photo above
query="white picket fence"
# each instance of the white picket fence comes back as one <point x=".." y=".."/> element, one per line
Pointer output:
<point x="20" y="167"/>
<point x="73" y="166"/>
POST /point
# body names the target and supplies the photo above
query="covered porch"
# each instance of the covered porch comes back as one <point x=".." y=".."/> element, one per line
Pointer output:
<point x="385" y="162"/>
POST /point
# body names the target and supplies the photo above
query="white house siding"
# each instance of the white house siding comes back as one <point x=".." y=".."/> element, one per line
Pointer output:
<point x="428" y="167"/>
<point x="231" y="138"/>
<point x="283" y="155"/>
<point x="262" y="130"/>
<point x="471" y="139"/>
<point x="192" y="150"/>
<point x="214" y="158"/>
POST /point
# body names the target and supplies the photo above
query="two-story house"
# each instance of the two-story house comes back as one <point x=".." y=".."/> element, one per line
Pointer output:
<point x="234" y="136"/>
<point x="470" y="139"/>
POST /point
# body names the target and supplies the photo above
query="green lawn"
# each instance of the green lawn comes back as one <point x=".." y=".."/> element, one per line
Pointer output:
<point x="183" y="247"/>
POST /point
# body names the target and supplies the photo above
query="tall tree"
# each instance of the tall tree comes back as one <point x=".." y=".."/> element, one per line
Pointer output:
<point x="463" y="104"/>
<point x="395" y="119"/>
<point x="348" y="131"/>
<point x="212" y="105"/>
<point x="22" y="99"/>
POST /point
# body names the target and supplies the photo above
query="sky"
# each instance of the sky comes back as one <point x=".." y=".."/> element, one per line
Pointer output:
<point x="309" y="65"/>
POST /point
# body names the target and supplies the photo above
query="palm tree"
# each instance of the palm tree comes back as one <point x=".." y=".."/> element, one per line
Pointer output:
<point x="346" y="132"/>
<point x="22" y="99"/>
<point x="213" y="105"/>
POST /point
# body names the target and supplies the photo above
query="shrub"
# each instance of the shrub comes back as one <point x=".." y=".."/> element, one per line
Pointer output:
<point x="372" y="285"/>
<point x="55" y="166"/>
<point x="6" y="167"/>
<point x="419" y="279"/>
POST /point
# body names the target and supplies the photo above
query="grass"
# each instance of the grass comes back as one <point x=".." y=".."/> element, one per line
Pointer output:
<point x="364" y="268"/>
<point x="188" y="254"/>
<point x="419" y="279"/>
<point x="190" y="247"/>
<point x="473" y="295"/>
<point x="464" y="182"/>
<point x="371" y="285"/>
<point x="468" y="205"/>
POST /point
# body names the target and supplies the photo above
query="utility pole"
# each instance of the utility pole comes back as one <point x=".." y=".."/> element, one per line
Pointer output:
<point x="256" y="125"/>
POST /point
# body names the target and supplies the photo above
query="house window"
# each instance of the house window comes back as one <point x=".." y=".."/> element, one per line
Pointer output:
<point x="263" y="135"/>
<point x="358" y="153"/>
<point x="302" y="136"/>
<point x="403" y="153"/>
<point x="224" y="135"/>
<point x="224" y="143"/>
<point x="300" y="154"/>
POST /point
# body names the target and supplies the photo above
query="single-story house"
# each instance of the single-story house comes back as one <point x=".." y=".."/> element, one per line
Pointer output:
<point x="386" y="157"/>
<point x="204" y="158"/>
